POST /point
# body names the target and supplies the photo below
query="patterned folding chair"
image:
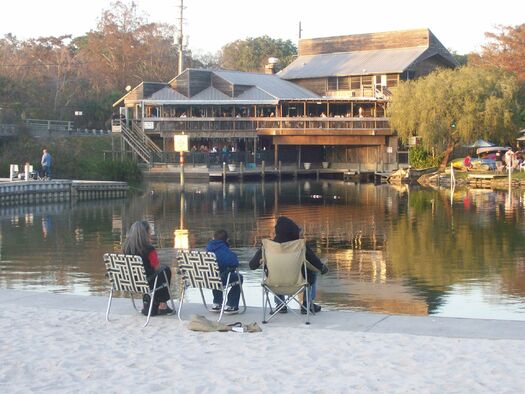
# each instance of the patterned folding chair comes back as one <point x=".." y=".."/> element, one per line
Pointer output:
<point x="126" y="273"/>
<point x="200" y="270"/>
<point x="284" y="272"/>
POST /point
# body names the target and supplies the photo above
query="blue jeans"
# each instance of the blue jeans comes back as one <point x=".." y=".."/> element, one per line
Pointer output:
<point x="47" y="171"/>
<point x="313" y="289"/>
<point x="233" y="295"/>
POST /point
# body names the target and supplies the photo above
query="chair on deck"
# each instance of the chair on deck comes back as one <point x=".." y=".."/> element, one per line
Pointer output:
<point x="284" y="274"/>
<point x="126" y="273"/>
<point x="200" y="270"/>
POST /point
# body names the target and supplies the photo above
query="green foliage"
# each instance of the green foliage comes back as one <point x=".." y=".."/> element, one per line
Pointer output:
<point x="252" y="54"/>
<point x="73" y="158"/>
<point x="482" y="103"/>
<point x="419" y="157"/>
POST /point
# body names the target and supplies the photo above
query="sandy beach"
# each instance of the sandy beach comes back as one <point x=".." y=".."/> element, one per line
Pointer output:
<point x="62" y="343"/>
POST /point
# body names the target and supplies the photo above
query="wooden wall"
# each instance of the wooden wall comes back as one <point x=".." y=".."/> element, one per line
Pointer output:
<point x="316" y="85"/>
<point x="364" y="42"/>
<point x="198" y="81"/>
<point x="222" y="85"/>
<point x="182" y="83"/>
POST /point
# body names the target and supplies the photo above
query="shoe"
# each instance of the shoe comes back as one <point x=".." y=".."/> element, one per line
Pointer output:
<point x="230" y="310"/>
<point x="284" y="309"/>
<point x="165" y="311"/>
<point x="216" y="308"/>
<point x="313" y="308"/>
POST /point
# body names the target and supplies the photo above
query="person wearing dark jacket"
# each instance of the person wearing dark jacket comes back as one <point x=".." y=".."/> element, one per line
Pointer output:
<point x="228" y="263"/>
<point x="286" y="230"/>
<point x="138" y="242"/>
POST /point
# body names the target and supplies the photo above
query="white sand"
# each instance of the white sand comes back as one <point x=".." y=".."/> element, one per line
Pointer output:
<point x="65" y="350"/>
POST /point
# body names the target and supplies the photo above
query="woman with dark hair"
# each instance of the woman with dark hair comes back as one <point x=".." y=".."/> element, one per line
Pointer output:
<point x="138" y="242"/>
<point x="286" y="230"/>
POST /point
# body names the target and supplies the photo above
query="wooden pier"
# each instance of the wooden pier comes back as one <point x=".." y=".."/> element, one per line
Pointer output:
<point x="17" y="192"/>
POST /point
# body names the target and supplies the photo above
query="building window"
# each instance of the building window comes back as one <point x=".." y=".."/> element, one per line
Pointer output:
<point x="367" y="80"/>
<point x="355" y="83"/>
<point x="391" y="80"/>
<point x="342" y="83"/>
<point x="332" y="83"/>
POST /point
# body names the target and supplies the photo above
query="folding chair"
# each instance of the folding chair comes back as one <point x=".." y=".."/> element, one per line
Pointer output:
<point x="126" y="273"/>
<point x="200" y="270"/>
<point x="284" y="273"/>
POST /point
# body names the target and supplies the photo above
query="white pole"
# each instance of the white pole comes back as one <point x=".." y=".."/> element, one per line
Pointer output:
<point x="509" y="165"/>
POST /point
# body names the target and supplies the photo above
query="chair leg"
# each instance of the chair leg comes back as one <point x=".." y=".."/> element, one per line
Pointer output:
<point x="224" y="297"/>
<point x="181" y="302"/>
<point x="133" y="302"/>
<point x="169" y="292"/>
<point x="151" y="302"/>
<point x="264" y="299"/>
<point x="307" y="294"/>
<point x="109" y="304"/>
<point x="243" y="299"/>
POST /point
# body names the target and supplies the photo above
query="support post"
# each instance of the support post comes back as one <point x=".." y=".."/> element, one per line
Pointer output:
<point x="280" y="168"/>
<point x="224" y="172"/>
<point x="242" y="170"/>
<point x="263" y="169"/>
<point x="181" y="156"/>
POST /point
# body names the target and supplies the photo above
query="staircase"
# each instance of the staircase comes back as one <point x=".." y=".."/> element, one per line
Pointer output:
<point x="139" y="142"/>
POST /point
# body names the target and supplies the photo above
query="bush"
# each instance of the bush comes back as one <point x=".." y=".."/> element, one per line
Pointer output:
<point x="73" y="158"/>
<point x="418" y="157"/>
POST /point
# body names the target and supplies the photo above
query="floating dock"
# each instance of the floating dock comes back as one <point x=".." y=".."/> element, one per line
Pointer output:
<point x="16" y="192"/>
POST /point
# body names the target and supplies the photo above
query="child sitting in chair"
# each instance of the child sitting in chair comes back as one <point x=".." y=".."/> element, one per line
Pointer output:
<point x="228" y="263"/>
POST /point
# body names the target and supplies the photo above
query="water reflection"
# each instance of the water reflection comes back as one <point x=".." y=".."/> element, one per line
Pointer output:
<point x="390" y="249"/>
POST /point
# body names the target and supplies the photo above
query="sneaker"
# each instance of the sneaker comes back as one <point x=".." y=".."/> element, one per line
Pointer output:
<point x="165" y="311"/>
<point x="230" y="310"/>
<point x="284" y="309"/>
<point x="313" y="308"/>
<point x="216" y="308"/>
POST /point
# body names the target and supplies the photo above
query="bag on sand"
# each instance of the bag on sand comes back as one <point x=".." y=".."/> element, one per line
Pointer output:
<point x="200" y="323"/>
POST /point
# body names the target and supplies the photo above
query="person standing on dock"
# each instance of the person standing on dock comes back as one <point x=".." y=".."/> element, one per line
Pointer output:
<point x="46" y="164"/>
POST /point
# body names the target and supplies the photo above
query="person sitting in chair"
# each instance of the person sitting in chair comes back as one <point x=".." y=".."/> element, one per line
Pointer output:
<point x="138" y="242"/>
<point x="228" y="263"/>
<point x="286" y="230"/>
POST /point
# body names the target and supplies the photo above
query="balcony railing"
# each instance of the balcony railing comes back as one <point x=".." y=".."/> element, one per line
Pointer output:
<point x="253" y="124"/>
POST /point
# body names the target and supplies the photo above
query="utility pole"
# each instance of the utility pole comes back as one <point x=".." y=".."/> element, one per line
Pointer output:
<point x="181" y="38"/>
<point x="300" y="30"/>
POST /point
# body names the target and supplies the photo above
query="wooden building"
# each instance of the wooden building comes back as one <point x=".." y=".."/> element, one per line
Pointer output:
<point x="330" y="104"/>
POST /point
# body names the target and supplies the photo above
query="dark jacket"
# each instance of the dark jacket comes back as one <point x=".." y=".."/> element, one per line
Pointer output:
<point x="225" y="257"/>
<point x="286" y="230"/>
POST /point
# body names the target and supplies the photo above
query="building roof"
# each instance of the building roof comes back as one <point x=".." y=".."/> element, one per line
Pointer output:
<point x="381" y="61"/>
<point x="271" y="84"/>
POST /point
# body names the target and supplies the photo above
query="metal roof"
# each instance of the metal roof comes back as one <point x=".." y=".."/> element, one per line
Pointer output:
<point x="271" y="84"/>
<point x="167" y="93"/>
<point x="210" y="93"/>
<point x="379" y="61"/>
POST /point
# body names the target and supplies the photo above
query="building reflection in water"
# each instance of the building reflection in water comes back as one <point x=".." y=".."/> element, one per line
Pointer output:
<point x="389" y="249"/>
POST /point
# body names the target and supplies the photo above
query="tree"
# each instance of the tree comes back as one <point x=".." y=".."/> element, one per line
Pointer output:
<point x="505" y="50"/>
<point x="449" y="107"/>
<point x="252" y="54"/>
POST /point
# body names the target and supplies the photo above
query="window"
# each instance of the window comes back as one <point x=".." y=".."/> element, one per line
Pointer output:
<point x="367" y="80"/>
<point x="355" y="83"/>
<point x="332" y="83"/>
<point x="391" y="80"/>
<point x="342" y="83"/>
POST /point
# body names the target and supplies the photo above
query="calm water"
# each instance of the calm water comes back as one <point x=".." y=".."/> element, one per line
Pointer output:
<point x="389" y="249"/>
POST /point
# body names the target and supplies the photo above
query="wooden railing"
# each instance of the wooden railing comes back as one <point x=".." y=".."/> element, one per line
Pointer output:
<point x="253" y="124"/>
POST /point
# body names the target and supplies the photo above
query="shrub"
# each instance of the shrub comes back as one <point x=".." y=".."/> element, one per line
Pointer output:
<point x="418" y="157"/>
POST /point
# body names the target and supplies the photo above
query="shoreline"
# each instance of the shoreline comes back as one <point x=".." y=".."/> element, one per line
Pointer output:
<point x="62" y="343"/>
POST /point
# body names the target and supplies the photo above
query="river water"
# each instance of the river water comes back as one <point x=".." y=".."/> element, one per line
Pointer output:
<point x="389" y="249"/>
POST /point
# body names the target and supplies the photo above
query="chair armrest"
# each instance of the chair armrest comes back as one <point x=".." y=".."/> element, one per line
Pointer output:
<point x="161" y="270"/>
<point x="311" y="267"/>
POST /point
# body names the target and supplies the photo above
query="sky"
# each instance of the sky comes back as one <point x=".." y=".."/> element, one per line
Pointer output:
<point x="209" y="24"/>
